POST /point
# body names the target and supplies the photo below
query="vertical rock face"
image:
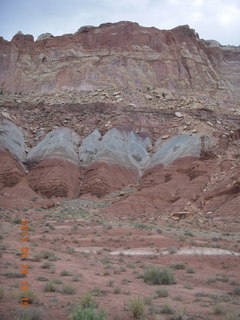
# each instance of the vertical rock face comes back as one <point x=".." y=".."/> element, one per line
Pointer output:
<point x="55" y="160"/>
<point x="122" y="54"/>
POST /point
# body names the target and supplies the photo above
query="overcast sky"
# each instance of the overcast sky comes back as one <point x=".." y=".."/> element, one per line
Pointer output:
<point x="212" y="19"/>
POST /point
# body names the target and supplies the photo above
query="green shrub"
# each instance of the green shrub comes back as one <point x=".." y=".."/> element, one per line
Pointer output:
<point x="137" y="307"/>
<point x="88" y="301"/>
<point x="82" y="313"/>
<point x="50" y="287"/>
<point x="167" y="309"/>
<point x="48" y="255"/>
<point x="66" y="273"/>
<point x="155" y="275"/>
<point x="57" y="281"/>
<point x="190" y="270"/>
<point x="178" y="266"/>
<point x="161" y="293"/>
<point x="67" y="289"/>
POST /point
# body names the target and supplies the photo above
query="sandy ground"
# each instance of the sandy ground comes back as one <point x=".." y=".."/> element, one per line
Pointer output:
<point x="107" y="256"/>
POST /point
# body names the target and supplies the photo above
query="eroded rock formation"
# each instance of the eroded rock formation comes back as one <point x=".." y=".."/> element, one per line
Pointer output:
<point x="122" y="55"/>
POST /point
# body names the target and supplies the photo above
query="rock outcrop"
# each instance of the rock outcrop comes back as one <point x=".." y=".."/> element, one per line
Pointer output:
<point x="122" y="55"/>
<point x="177" y="147"/>
<point x="117" y="160"/>
<point x="54" y="163"/>
<point x="12" y="154"/>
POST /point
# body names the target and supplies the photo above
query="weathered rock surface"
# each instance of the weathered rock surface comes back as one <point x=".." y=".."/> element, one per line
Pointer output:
<point x="167" y="189"/>
<point x="123" y="55"/>
<point x="123" y="147"/>
<point x="89" y="148"/>
<point x="12" y="140"/>
<point x="102" y="178"/>
<point x="116" y="160"/>
<point x="12" y="154"/>
<point x="55" y="178"/>
<point x="60" y="143"/>
<point x="11" y="172"/>
<point x="180" y="146"/>
<point x="57" y="172"/>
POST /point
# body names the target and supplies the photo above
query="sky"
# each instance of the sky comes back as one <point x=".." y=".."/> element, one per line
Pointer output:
<point x="212" y="19"/>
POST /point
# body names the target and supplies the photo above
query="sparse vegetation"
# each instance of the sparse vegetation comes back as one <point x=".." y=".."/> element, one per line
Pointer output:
<point x="155" y="275"/>
<point x="66" y="273"/>
<point x="88" y="313"/>
<point x="117" y="290"/>
<point x="16" y="220"/>
<point x="188" y="233"/>
<point x="47" y="255"/>
<point x="14" y="275"/>
<point x="236" y="291"/>
<point x="67" y="289"/>
<point x="50" y="287"/>
<point x="218" y="309"/>
<point x="88" y="301"/>
<point x="28" y="314"/>
<point x="161" y="293"/>
<point x="31" y="295"/>
<point x="167" y="309"/>
<point x="178" y="266"/>
<point x="137" y="307"/>
<point x="76" y="277"/>
<point x="190" y="270"/>
<point x="110" y="283"/>
<point x="47" y="265"/>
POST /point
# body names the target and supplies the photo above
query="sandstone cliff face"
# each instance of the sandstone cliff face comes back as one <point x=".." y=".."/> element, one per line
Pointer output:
<point x="122" y="55"/>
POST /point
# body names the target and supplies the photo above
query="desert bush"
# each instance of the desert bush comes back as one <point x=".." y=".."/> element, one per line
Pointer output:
<point x="48" y="255"/>
<point x="161" y="293"/>
<point x="117" y="290"/>
<point x="190" y="270"/>
<point x="82" y="313"/>
<point x="137" y="307"/>
<point x="66" y="273"/>
<point x="178" y="266"/>
<point x="88" y="301"/>
<point x="167" y="309"/>
<point x="50" y="287"/>
<point x="28" y="314"/>
<point x="155" y="275"/>
<point x="67" y="289"/>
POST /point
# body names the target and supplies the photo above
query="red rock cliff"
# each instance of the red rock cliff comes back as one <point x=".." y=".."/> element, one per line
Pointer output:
<point x="123" y="55"/>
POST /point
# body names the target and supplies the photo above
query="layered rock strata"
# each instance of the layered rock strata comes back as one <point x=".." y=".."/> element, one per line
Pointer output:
<point x="54" y="162"/>
<point x="123" y="55"/>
